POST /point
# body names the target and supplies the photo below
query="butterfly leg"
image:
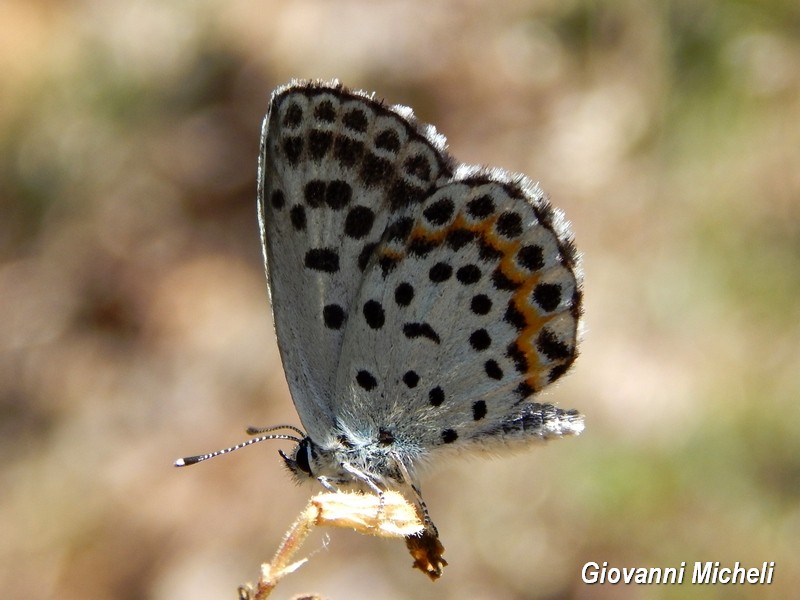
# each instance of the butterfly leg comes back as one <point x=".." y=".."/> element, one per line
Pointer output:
<point x="325" y="482"/>
<point x="361" y="476"/>
<point x="423" y="508"/>
<point x="426" y="517"/>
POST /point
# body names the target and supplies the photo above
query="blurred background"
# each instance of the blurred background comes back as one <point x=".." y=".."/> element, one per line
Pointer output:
<point x="135" y="328"/>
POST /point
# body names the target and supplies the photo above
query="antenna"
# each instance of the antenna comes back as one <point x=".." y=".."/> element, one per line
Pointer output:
<point x="191" y="460"/>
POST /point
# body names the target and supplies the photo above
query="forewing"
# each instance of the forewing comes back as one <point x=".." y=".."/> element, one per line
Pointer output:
<point x="334" y="167"/>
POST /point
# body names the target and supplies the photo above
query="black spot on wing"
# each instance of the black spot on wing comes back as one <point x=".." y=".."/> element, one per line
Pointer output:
<point x="478" y="410"/>
<point x="334" y="316"/>
<point x="416" y="330"/>
<point x="366" y="380"/>
<point x="374" y="314"/>
<point x="322" y="259"/>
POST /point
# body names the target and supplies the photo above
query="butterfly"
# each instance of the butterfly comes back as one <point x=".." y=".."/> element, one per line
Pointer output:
<point x="420" y="304"/>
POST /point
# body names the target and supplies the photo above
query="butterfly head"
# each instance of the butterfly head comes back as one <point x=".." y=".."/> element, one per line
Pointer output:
<point x="364" y="464"/>
<point x="310" y="460"/>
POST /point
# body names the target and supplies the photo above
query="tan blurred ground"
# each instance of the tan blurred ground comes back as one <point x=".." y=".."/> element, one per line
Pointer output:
<point x="134" y="324"/>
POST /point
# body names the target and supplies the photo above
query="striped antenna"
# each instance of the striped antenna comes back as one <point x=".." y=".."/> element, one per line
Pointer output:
<point x="191" y="460"/>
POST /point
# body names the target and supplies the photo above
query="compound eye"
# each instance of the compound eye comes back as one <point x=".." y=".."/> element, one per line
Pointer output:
<point x="301" y="457"/>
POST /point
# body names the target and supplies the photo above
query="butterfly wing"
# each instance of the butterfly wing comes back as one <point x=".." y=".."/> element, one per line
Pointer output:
<point x="325" y="191"/>
<point x="478" y="315"/>
<point x="468" y="307"/>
